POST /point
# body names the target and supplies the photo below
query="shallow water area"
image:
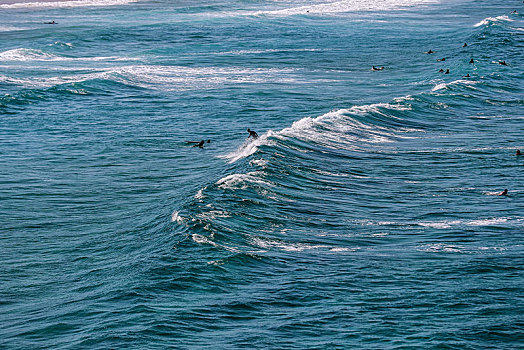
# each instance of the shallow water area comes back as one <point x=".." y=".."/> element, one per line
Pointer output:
<point x="366" y="214"/>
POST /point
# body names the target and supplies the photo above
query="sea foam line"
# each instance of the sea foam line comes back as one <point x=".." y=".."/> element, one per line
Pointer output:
<point x="167" y="78"/>
<point x="23" y="55"/>
<point x="64" y="4"/>
<point x="335" y="7"/>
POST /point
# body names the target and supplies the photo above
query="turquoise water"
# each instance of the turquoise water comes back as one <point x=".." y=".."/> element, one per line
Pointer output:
<point x="364" y="216"/>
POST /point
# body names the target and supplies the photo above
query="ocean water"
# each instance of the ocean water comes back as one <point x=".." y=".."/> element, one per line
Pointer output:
<point x="365" y="216"/>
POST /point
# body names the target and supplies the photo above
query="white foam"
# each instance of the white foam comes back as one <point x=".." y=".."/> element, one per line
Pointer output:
<point x="487" y="222"/>
<point x="174" y="78"/>
<point x="339" y="129"/>
<point x="441" y="247"/>
<point x="59" y="43"/>
<point x="340" y="249"/>
<point x="478" y="222"/>
<point x="491" y="20"/>
<point x="166" y="78"/>
<point x="335" y="7"/>
<point x="288" y="247"/>
<point x="246" y="149"/>
<point x="241" y="181"/>
<point x="213" y="214"/>
<point x="261" y="51"/>
<point x="200" y="193"/>
<point x="259" y="162"/>
<point x="204" y="240"/>
<point x="23" y="54"/>
<point x="62" y="4"/>
<point x="175" y="217"/>
<point x="455" y="82"/>
<point x="435" y="224"/>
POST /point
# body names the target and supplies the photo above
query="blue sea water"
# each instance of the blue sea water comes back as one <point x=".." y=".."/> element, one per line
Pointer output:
<point x="365" y="216"/>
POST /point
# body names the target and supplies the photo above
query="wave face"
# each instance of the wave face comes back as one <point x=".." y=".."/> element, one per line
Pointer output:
<point x="367" y="213"/>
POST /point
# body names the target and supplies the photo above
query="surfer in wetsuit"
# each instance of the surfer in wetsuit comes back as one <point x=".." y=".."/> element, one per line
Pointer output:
<point x="503" y="193"/>
<point x="518" y="153"/>
<point x="471" y="61"/>
<point x="199" y="143"/>
<point x="430" y="52"/>
<point x="375" y="68"/>
<point x="252" y="133"/>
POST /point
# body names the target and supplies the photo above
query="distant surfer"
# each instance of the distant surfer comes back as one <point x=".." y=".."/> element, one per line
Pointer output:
<point x="503" y="193"/>
<point x="447" y="71"/>
<point x="52" y="22"/>
<point x="503" y="63"/>
<point x="518" y="153"/>
<point x="199" y="143"/>
<point x="441" y="70"/>
<point x="441" y="59"/>
<point x="467" y="76"/>
<point x="471" y="61"/>
<point x="430" y="52"/>
<point x="252" y="133"/>
<point x="376" y="68"/>
<point x="465" y="45"/>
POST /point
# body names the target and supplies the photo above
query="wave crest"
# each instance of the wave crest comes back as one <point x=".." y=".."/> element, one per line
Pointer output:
<point x="493" y="20"/>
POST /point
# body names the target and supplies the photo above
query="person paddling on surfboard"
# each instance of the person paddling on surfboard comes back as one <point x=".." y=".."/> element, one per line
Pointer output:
<point x="252" y="133"/>
<point x="200" y="144"/>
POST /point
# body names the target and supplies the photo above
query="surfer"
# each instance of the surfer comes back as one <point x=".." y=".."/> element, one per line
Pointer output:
<point x="375" y="68"/>
<point x="465" y="45"/>
<point x="467" y="76"/>
<point x="503" y="193"/>
<point x="441" y="70"/>
<point x="52" y="22"/>
<point x="518" y="153"/>
<point x="503" y="63"/>
<point x="441" y="59"/>
<point x="199" y="143"/>
<point x="252" y="133"/>
<point x="471" y="61"/>
<point x="447" y="71"/>
<point x="429" y="52"/>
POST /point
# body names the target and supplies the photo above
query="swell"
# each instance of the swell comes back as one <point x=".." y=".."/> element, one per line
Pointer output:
<point x="302" y="188"/>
